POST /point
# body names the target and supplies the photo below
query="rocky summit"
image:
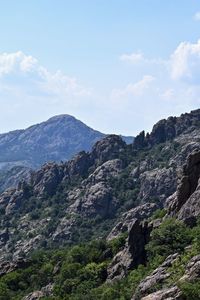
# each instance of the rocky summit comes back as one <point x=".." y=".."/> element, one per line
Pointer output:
<point x="118" y="222"/>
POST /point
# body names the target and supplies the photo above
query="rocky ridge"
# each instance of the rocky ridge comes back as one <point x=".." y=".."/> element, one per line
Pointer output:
<point x="114" y="188"/>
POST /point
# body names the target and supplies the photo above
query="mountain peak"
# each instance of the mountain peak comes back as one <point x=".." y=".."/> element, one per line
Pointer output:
<point x="62" y="117"/>
<point x="58" y="138"/>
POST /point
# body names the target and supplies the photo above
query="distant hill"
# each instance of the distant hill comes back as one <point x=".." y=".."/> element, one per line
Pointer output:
<point x="57" y="139"/>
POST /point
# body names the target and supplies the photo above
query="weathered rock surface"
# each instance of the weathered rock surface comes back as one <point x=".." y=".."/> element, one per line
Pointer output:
<point x="185" y="202"/>
<point x="168" y="129"/>
<point x="172" y="293"/>
<point x="44" y="292"/>
<point x="127" y="219"/>
<point x="157" y="184"/>
<point x="8" y="266"/>
<point x="192" y="269"/>
<point x="160" y="274"/>
<point x="92" y="198"/>
<point x="192" y="273"/>
<point x="133" y="253"/>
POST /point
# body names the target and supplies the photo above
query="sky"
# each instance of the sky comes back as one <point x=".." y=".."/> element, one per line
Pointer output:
<point x="117" y="65"/>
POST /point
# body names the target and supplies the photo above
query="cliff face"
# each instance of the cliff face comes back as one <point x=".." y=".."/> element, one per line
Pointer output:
<point x="112" y="190"/>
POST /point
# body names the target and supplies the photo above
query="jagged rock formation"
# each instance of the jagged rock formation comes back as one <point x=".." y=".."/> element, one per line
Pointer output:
<point x="114" y="188"/>
<point x="133" y="253"/>
<point x="192" y="269"/>
<point x="161" y="274"/>
<point x="92" y="198"/>
<point x="185" y="202"/>
<point x="168" y="129"/>
<point x="155" y="278"/>
<point x="88" y="186"/>
<point x="128" y="219"/>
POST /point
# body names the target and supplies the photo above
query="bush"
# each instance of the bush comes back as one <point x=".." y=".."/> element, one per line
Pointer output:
<point x="158" y="214"/>
<point x="117" y="243"/>
<point x="171" y="237"/>
<point x="190" y="290"/>
<point x="4" y="292"/>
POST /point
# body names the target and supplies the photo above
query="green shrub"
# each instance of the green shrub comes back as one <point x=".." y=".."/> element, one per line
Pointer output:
<point x="170" y="237"/>
<point x="190" y="290"/>
<point x="4" y="292"/>
<point x="158" y="214"/>
<point x="117" y="243"/>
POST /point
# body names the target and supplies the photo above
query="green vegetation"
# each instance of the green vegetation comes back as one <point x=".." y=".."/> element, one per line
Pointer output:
<point x="158" y="214"/>
<point x="79" y="272"/>
<point x="171" y="237"/>
<point x="190" y="290"/>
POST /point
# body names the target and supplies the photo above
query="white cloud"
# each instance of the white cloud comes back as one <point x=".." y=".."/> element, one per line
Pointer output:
<point x="138" y="57"/>
<point x="133" y="57"/>
<point x="134" y="89"/>
<point x="185" y="62"/>
<point x="171" y="88"/>
<point x="197" y="16"/>
<point x="18" y="64"/>
<point x="30" y="93"/>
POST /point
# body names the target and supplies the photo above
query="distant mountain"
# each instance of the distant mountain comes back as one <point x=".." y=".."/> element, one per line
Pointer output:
<point x="57" y="139"/>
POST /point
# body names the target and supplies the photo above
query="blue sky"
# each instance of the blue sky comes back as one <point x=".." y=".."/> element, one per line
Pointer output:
<point x="118" y="65"/>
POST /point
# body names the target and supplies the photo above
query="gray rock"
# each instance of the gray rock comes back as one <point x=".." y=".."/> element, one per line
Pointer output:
<point x="192" y="269"/>
<point x="172" y="293"/>
<point x="133" y="253"/>
<point x="156" y="277"/>
<point x="157" y="184"/>
<point x="46" y="291"/>
<point x="127" y="219"/>
<point x="185" y="202"/>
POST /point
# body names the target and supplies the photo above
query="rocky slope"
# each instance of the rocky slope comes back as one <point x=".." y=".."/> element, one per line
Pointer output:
<point x="108" y="192"/>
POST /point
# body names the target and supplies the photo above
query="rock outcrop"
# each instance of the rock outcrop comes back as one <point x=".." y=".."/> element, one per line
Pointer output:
<point x="46" y="291"/>
<point x="151" y="282"/>
<point x="172" y="293"/>
<point x="168" y="129"/>
<point x="133" y="253"/>
<point x="185" y="202"/>
<point x="128" y="219"/>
